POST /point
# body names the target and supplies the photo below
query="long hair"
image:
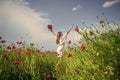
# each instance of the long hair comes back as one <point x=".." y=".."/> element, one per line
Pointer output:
<point x="58" y="37"/>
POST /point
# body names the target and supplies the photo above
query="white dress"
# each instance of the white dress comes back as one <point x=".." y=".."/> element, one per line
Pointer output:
<point x="61" y="45"/>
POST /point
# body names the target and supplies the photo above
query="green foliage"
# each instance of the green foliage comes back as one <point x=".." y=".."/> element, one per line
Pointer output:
<point x="100" y="60"/>
<point x="95" y="57"/>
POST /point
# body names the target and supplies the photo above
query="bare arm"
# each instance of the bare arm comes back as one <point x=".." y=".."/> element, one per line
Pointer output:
<point x="70" y="28"/>
<point x="53" y="33"/>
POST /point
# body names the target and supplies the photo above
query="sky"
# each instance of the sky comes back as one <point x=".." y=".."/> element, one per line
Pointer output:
<point x="27" y="19"/>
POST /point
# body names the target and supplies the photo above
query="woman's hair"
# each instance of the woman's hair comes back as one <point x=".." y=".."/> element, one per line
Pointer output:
<point x="58" y="37"/>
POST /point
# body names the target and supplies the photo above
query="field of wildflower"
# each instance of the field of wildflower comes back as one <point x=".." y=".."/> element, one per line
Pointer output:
<point x="96" y="56"/>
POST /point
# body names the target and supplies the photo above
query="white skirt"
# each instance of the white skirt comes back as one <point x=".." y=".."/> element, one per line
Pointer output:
<point x="60" y="50"/>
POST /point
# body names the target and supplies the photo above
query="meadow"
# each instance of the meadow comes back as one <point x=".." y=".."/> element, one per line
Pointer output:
<point x="96" y="56"/>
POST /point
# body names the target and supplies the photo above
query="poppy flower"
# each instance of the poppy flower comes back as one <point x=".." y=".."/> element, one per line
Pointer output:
<point x="48" y="51"/>
<point x="83" y="47"/>
<point x="31" y="44"/>
<point x="2" y="41"/>
<point x="55" y="53"/>
<point x="18" y="50"/>
<point x="28" y="51"/>
<point x="79" y="42"/>
<point x="101" y="22"/>
<point x="19" y="57"/>
<point x="0" y="37"/>
<point x="40" y="64"/>
<point x="16" y="63"/>
<point x="69" y="42"/>
<point x="5" y="51"/>
<point x="77" y="29"/>
<point x="19" y="42"/>
<point x="48" y="76"/>
<point x="38" y="51"/>
<point x="4" y="55"/>
<point x="68" y="47"/>
<point x="49" y="27"/>
<point x="13" y="47"/>
<point x="69" y="55"/>
<point x="9" y="47"/>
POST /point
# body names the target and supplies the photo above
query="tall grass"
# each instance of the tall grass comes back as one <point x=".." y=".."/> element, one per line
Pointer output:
<point x="95" y="57"/>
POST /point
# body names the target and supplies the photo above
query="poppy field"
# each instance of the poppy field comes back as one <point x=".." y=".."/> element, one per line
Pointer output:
<point x="96" y="56"/>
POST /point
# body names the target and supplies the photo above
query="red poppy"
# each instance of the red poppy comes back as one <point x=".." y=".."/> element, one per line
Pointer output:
<point x="69" y="55"/>
<point x="48" y="51"/>
<point x="49" y="26"/>
<point x="77" y="29"/>
<point x="80" y="41"/>
<point x="68" y="47"/>
<point x="5" y="51"/>
<point x="32" y="44"/>
<point x="101" y="22"/>
<point x="19" y="42"/>
<point x="28" y="51"/>
<point x="38" y="51"/>
<point x="56" y="54"/>
<point x="2" y="41"/>
<point x="83" y="46"/>
<point x="19" y="57"/>
<point x="48" y="76"/>
<point x="4" y="55"/>
<point x="16" y="63"/>
<point x="40" y="64"/>
<point x="13" y="47"/>
<point x="0" y="37"/>
<point x="9" y="47"/>
<point x="18" y="50"/>
<point x="69" y="42"/>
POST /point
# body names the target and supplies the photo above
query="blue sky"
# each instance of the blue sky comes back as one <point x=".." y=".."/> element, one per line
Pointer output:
<point x="60" y="11"/>
<point x="28" y="18"/>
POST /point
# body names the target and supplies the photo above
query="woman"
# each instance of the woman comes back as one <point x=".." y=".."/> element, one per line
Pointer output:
<point x="60" y="40"/>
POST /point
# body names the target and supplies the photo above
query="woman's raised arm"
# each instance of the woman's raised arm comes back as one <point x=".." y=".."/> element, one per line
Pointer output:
<point x="53" y="33"/>
<point x="70" y="28"/>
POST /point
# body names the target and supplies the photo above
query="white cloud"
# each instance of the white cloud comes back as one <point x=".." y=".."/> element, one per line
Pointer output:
<point x="76" y="8"/>
<point x="110" y="3"/>
<point x="18" y="19"/>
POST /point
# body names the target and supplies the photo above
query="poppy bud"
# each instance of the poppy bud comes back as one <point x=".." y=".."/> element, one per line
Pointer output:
<point x="77" y="29"/>
<point x="101" y="22"/>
